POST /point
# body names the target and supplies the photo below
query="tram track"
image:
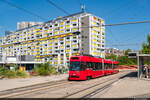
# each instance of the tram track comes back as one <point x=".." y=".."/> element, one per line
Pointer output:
<point x="56" y="86"/>
<point x="92" y="90"/>
<point x="31" y="88"/>
<point x="87" y="91"/>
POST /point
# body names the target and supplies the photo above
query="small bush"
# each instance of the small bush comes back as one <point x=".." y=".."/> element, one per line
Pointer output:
<point x="21" y="74"/>
<point x="44" y="70"/>
<point x="34" y="72"/>
<point x="10" y="74"/>
<point x="53" y="70"/>
<point x="3" y="71"/>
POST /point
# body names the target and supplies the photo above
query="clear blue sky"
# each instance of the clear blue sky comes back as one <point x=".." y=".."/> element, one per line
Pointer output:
<point x="112" y="11"/>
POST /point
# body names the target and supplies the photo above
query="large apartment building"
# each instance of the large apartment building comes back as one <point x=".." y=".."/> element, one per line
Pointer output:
<point x="22" y="25"/>
<point x="57" y="40"/>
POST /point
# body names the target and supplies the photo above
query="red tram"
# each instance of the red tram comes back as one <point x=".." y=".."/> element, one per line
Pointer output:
<point x="86" y="67"/>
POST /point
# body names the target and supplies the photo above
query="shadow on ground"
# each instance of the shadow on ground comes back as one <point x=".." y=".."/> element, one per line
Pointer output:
<point x="130" y="75"/>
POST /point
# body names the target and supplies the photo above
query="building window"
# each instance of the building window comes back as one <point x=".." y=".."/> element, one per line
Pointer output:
<point x="67" y="22"/>
<point x="56" y="24"/>
<point x="61" y="42"/>
<point x="67" y="30"/>
<point x="75" y="41"/>
<point x="68" y="38"/>
<point x="68" y="46"/>
<point x="74" y="24"/>
<point x="75" y="49"/>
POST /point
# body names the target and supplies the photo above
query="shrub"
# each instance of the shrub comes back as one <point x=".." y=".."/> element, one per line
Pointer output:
<point x="21" y="74"/>
<point x="44" y="69"/>
<point x="10" y="74"/>
<point x="3" y="71"/>
<point x="34" y="72"/>
<point x="16" y="67"/>
<point x="53" y="70"/>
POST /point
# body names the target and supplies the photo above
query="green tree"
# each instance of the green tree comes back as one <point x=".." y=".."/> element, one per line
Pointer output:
<point x="124" y="60"/>
<point x="126" y="52"/>
<point x="146" y="46"/>
<point x="46" y="69"/>
<point x="112" y="56"/>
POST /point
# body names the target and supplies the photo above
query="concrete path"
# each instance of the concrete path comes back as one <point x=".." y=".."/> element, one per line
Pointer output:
<point x="15" y="83"/>
<point x="128" y="87"/>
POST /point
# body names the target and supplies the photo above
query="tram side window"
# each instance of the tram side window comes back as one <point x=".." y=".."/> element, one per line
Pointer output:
<point x="88" y="65"/>
<point x="96" y="66"/>
<point x="106" y="66"/>
<point x="93" y="66"/>
<point x="115" y="66"/>
<point x="110" y="66"/>
<point x="100" y="66"/>
<point x="83" y="67"/>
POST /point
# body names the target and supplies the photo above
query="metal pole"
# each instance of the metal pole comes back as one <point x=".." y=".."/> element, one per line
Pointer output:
<point x="20" y="58"/>
<point x="112" y="65"/>
<point x="138" y="74"/>
<point x="103" y="65"/>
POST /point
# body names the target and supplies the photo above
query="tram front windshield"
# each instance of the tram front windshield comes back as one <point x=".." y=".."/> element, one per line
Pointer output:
<point x="76" y="66"/>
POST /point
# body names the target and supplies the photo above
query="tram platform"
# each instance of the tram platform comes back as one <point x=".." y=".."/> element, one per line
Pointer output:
<point x="127" y="87"/>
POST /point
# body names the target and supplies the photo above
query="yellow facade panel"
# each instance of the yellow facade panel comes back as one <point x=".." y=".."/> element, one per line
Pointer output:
<point x="62" y="31"/>
<point x="50" y="44"/>
<point x="61" y="23"/>
<point x="61" y="46"/>
<point x="67" y="42"/>
<point x="74" y="20"/>
<point x="74" y="45"/>
<point x="102" y="21"/>
<point x="50" y="29"/>
<point x="50" y="48"/>
<point x="50" y="40"/>
<point x="61" y="27"/>
<point x="68" y="50"/>
<point x="67" y="26"/>
<point x="74" y="29"/>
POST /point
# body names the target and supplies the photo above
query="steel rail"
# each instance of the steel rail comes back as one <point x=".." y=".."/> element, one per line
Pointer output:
<point x="31" y="88"/>
<point x="48" y="85"/>
<point x="109" y="81"/>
